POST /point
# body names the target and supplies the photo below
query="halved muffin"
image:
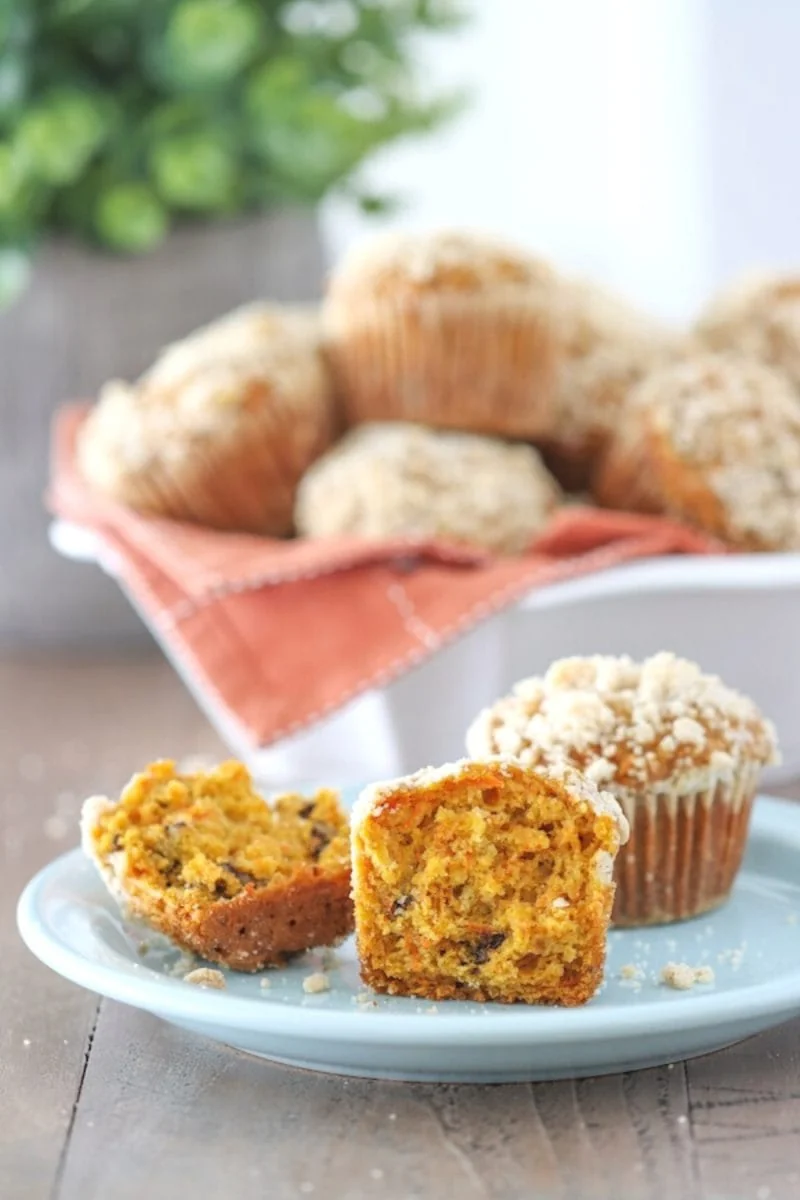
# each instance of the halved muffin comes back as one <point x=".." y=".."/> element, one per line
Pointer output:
<point x="485" y="880"/>
<point x="206" y="861"/>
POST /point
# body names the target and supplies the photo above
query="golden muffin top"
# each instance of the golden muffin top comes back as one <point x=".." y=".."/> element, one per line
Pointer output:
<point x="412" y="264"/>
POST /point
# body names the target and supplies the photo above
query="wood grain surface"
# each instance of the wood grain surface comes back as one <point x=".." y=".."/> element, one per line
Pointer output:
<point x="100" y="1102"/>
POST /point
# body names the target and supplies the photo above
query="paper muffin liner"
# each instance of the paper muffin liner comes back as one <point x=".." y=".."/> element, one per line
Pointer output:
<point x="477" y="363"/>
<point x="685" y="849"/>
<point x="624" y="478"/>
<point x="241" y="475"/>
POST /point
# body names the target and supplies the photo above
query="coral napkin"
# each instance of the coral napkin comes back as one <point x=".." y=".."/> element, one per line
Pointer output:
<point x="283" y="633"/>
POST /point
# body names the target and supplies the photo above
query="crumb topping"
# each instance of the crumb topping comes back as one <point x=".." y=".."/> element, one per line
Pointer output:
<point x="257" y="364"/>
<point x="625" y="723"/>
<point x="608" y="348"/>
<point x="397" y="479"/>
<point x="758" y="315"/>
<point x="398" y="263"/>
<point x="738" y="422"/>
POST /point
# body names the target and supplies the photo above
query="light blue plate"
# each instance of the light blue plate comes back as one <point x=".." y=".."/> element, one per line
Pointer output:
<point x="753" y="945"/>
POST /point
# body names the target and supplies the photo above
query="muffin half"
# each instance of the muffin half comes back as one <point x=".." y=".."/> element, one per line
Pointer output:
<point x="486" y="880"/>
<point x="203" y="859"/>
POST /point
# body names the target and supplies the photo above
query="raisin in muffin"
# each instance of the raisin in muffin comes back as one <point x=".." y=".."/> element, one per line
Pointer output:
<point x="679" y="750"/>
<point x="221" y="428"/>
<point x="448" y="329"/>
<point x="202" y="858"/>
<point x="391" y="480"/>
<point x="485" y="880"/>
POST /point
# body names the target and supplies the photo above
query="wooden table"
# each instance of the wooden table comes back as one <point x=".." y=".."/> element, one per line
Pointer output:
<point x="100" y="1102"/>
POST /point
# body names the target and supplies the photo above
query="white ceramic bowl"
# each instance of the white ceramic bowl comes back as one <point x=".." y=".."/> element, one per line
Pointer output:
<point x="738" y="616"/>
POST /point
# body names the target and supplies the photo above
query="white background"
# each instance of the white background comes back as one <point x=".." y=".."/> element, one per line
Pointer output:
<point x="651" y="143"/>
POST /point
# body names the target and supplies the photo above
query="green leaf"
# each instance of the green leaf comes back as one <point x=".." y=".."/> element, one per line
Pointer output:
<point x="194" y="171"/>
<point x="209" y="42"/>
<point x="130" y="217"/>
<point x="59" y="135"/>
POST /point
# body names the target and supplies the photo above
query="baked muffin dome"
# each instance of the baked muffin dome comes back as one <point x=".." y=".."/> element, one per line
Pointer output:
<point x="222" y="426"/>
<point x="722" y="441"/>
<point x="448" y="329"/>
<point x="758" y="315"/>
<point x="679" y="750"/>
<point x="607" y="347"/>
<point x="404" y="480"/>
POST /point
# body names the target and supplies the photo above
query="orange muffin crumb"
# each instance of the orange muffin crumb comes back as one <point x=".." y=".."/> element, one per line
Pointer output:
<point x="205" y="860"/>
<point x="485" y="881"/>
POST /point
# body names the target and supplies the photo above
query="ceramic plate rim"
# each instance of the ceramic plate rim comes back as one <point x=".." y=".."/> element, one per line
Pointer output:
<point x="499" y="1025"/>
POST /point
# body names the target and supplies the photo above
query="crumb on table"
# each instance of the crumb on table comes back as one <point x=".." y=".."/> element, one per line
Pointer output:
<point x="317" y="982"/>
<point x="682" y="977"/>
<point x="630" y="972"/>
<point x="205" y="977"/>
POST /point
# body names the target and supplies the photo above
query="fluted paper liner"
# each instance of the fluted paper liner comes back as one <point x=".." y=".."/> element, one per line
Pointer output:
<point x="484" y="364"/>
<point x="684" y="851"/>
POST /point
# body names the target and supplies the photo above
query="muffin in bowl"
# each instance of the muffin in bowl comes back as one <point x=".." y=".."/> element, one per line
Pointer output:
<point x="757" y="315"/>
<point x="399" y="480"/>
<point x="720" y="447"/>
<point x="221" y="428"/>
<point x="607" y="347"/>
<point x="447" y="329"/>
<point x="679" y="750"/>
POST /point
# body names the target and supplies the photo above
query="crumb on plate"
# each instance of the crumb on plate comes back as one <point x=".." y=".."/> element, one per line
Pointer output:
<point x="205" y="977"/>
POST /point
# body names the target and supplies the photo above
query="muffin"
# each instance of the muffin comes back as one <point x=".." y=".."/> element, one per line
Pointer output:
<point x="485" y="880"/>
<point x="607" y="348"/>
<point x="203" y="859"/>
<point x="447" y="329"/>
<point x="721" y="447"/>
<point x="221" y="428"/>
<point x="679" y="750"/>
<point x="758" y="315"/>
<point x="393" y="480"/>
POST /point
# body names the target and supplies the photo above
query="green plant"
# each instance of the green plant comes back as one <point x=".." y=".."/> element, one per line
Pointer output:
<point x="118" y="117"/>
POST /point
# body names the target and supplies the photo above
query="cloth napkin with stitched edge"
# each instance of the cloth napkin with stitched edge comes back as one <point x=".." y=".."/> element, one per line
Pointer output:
<point x="283" y="633"/>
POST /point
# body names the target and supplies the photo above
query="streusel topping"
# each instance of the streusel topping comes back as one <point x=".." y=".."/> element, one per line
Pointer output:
<point x="738" y="422"/>
<point x="757" y="315"/>
<point x="405" y="262"/>
<point x="626" y="724"/>
<point x="405" y="480"/>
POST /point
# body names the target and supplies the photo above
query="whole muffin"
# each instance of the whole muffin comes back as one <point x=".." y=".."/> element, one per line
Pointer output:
<point x="221" y="428"/>
<point x="447" y="329"/>
<point x="404" y="480"/>
<point x="607" y="347"/>
<point x="758" y="315"/>
<point x="721" y="448"/>
<point x="679" y="750"/>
